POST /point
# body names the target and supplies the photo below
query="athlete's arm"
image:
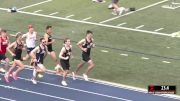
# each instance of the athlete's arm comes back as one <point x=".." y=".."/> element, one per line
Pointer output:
<point x="10" y="47"/>
<point x="24" y="48"/>
<point x="46" y="51"/>
<point x="24" y="36"/>
<point x="93" y="44"/>
<point x="33" y="53"/>
<point x="61" y="54"/>
<point x="46" y="38"/>
<point x="80" y="43"/>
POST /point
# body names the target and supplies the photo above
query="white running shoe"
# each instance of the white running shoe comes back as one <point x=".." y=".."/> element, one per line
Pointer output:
<point x="34" y="72"/>
<point x="2" y="70"/>
<point x="85" y="77"/>
<point x="34" y="81"/>
<point x="73" y="76"/>
<point x="63" y="83"/>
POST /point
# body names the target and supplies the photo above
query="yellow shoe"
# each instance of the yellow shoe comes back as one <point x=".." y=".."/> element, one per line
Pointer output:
<point x="40" y="75"/>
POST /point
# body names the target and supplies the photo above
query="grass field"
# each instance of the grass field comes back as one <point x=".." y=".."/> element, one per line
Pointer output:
<point x="153" y="56"/>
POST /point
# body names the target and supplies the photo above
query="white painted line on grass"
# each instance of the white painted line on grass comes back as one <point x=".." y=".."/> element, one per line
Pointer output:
<point x="166" y="62"/>
<point x="122" y="24"/>
<point x="91" y="23"/>
<point x="6" y="99"/>
<point x="37" y="11"/>
<point x="34" y="4"/>
<point x="54" y="13"/>
<point x="32" y="92"/>
<point x="168" y="47"/>
<point x="138" y="27"/>
<point x="69" y="16"/>
<point x="176" y="34"/>
<point x="105" y="51"/>
<point x="144" y="58"/>
<point x="134" y="11"/>
<point x="124" y="54"/>
<point x="170" y="7"/>
<point x="159" y="29"/>
<point x="87" y="18"/>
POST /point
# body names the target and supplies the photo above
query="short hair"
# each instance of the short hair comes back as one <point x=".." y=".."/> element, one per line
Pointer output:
<point x="30" y="26"/>
<point x="3" y="30"/>
<point x="89" y="32"/>
<point x="41" y="39"/>
<point x="18" y="34"/>
<point x="65" y="40"/>
<point x="47" y="27"/>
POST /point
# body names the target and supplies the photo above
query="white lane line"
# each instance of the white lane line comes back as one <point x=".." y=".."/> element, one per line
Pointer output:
<point x="69" y="16"/>
<point x="37" y="11"/>
<point x="112" y="84"/>
<point x="84" y="91"/>
<point x="144" y="58"/>
<point x="138" y="27"/>
<point x="134" y="11"/>
<point x="91" y="23"/>
<point x="158" y="29"/>
<point x="122" y="24"/>
<point x="7" y="99"/>
<point x="124" y="54"/>
<point x="87" y="18"/>
<point x="54" y="13"/>
<point x="32" y="92"/>
<point x="166" y="62"/>
<point x="34" y="4"/>
<point x="105" y="51"/>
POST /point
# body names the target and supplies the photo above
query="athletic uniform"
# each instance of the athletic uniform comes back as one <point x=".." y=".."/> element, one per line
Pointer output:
<point x="30" y="41"/>
<point x="18" y="51"/>
<point x="3" y="48"/>
<point x="50" y="45"/>
<point x="86" y="55"/>
<point x="40" y="55"/>
<point x="65" y="63"/>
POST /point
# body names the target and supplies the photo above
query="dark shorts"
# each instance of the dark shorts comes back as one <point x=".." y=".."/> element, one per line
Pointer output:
<point x="65" y="64"/>
<point x="29" y="50"/>
<point x="115" y="1"/>
<point x="86" y="57"/>
<point x="49" y="48"/>
<point x="2" y="57"/>
<point x="17" y="58"/>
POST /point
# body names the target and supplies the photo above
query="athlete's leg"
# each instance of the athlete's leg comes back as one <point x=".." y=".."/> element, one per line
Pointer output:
<point x="90" y="67"/>
<point x="20" y="68"/>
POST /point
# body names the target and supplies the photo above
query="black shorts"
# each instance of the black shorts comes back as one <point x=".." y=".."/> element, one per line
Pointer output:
<point x="17" y="58"/>
<point x="115" y="1"/>
<point x="49" y="47"/>
<point x="2" y="57"/>
<point x="65" y="64"/>
<point x="85" y="57"/>
<point x="29" y="50"/>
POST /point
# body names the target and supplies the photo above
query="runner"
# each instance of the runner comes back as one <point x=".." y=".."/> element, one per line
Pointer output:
<point x="38" y="54"/>
<point x="85" y="45"/>
<point x="49" y="42"/>
<point x="17" y="46"/>
<point x="4" y="42"/>
<point x="65" y="55"/>
<point x="30" y="41"/>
